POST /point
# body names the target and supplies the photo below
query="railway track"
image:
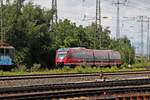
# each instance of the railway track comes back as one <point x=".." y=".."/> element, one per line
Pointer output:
<point x="69" y="85"/>
<point x="43" y="79"/>
<point x="39" y="76"/>
<point x="75" y="89"/>
<point x="90" y="84"/>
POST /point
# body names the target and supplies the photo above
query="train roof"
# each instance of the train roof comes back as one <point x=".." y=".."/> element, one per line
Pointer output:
<point x="66" y="49"/>
<point x="10" y="47"/>
<point x="104" y="50"/>
<point x="6" y="45"/>
<point x="63" y="49"/>
<point x="78" y="48"/>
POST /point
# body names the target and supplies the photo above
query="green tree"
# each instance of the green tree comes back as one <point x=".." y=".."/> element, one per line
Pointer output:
<point x="65" y="34"/>
<point x="28" y="32"/>
<point x="123" y="45"/>
<point x="27" y="29"/>
<point x="97" y="42"/>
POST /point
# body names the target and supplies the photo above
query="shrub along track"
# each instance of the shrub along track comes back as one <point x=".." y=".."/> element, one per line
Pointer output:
<point x="77" y="89"/>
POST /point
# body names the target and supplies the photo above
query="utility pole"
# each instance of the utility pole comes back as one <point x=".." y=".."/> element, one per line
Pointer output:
<point x="118" y="3"/>
<point x="2" y="34"/>
<point x="142" y="20"/>
<point x="19" y="5"/>
<point x="98" y="14"/>
<point x="148" y="40"/>
<point x="98" y="22"/>
<point x="7" y="2"/>
<point x="54" y="18"/>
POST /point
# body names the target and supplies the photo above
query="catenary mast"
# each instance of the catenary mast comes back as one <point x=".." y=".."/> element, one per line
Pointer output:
<point x="54" y="18"/>
<point x="98" y="23"/>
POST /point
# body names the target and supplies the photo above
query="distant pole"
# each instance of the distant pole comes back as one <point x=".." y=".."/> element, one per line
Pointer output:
<point x="98" y="22"/>
<point x="118" y="3"/>
<point x="7" y="2"/>
<point x="55" y="15"/>
<point x="142" y="43"/>
<point x="118" y="20"/>
<point x="54" y="18"/>
<point x="2" y="21"/>
<point x="142" y="20"/>
<point x="20" y="4"/>
<point x="148" y="40"/>
<point x="98" y="14"/>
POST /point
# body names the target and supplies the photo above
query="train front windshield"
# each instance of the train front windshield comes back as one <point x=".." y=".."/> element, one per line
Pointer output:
<point x="61" y="55"/>
<point x="7" y="52"/>
<point x="62" y="52"/>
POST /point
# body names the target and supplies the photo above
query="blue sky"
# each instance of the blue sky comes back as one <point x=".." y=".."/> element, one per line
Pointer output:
<point x="75" y="10"/>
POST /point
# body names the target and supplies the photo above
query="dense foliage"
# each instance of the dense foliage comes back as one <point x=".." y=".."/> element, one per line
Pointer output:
<point x="27" y="29"/>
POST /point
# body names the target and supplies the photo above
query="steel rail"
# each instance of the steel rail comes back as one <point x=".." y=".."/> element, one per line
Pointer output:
<point x="76" y="92"/>
<point x="64" y="86"/>
<point x="42" y="76"/>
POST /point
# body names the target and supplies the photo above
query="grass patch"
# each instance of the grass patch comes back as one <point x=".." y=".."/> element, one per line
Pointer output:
<point x="23" y="71"/>
<point x="142" y="65"/>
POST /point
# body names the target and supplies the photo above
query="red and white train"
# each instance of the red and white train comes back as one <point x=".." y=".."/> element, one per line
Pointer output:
<point x="87" y="57"/>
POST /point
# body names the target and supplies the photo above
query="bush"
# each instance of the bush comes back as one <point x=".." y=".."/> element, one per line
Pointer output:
<point x="125" y="65"/>
<point x="1" y="73"/>
<point x="20" y="70"/>
<point x="67" y="69"/>
<point x="79" y="69"/>
<point x="21" y="56"/>
<point x="36" y="67"/>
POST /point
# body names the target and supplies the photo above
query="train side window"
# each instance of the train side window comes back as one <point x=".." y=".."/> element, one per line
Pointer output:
<point x="11" y="52"/>
<point x="1" y="51"/>
<point x="7" y="51"/>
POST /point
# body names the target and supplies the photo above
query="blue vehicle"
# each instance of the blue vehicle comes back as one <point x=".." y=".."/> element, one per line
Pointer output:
<point x="7" y="57"/>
